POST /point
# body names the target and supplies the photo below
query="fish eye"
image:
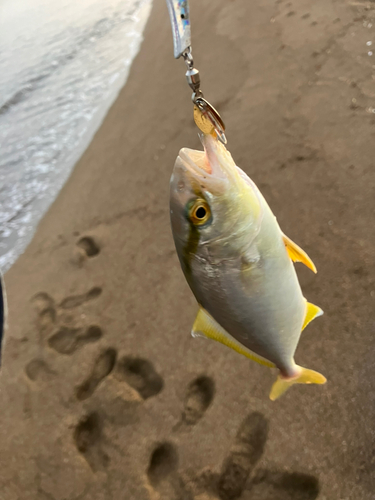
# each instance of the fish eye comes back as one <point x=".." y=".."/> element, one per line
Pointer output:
<point x="199" y="212"/>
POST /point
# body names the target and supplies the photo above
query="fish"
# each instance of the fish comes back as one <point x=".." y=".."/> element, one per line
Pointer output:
<point x="239" y="264"/>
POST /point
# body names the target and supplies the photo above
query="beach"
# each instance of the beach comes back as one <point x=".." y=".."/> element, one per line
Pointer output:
<point x="104" y="394"/>
<point x="63" y="67"/>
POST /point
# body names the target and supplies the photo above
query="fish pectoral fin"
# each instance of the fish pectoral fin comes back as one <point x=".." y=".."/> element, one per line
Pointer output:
<point x="312" y="312"/>
<point x="205" y="325"/>
<point x="297" y="254"/>
<point x="305" y="377"/>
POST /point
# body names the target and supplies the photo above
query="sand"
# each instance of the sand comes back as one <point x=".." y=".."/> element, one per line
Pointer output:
<point x="104" y="394"/>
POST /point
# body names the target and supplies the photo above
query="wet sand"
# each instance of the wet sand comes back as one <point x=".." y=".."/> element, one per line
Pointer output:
<point x="104" y="394"/>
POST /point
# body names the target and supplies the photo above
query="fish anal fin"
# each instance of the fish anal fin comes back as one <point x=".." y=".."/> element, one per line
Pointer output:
<point x="312" y="312"/>
<point x="305" y="376"/>
<point x="297" y="254"/>
<point x="205" y="325"/>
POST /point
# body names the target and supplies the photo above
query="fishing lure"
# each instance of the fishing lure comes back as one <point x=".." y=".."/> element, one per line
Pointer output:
<point x="206" y="117"/>
<point x="235" y="258"/>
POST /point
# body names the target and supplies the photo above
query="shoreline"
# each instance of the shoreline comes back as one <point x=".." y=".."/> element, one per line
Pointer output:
<point x="101" y="381"/>
<point x="22" y="224"/>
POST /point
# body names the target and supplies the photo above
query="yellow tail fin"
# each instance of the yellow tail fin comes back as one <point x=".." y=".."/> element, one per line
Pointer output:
<point x="305" y="377"/>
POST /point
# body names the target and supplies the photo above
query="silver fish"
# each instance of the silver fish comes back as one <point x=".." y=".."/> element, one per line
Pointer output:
<point x="238" y="263"/>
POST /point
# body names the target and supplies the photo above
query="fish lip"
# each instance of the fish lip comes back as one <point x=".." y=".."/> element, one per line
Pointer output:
<point x="216" y="154"/>
<point x="190" y="164"/>
<point x="186" y="156"/>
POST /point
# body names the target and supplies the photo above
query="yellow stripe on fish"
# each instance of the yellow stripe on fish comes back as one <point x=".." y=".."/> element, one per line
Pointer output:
<point x="205" y="325"/>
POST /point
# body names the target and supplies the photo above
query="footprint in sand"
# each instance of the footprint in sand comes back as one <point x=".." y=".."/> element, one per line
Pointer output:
<point x="103" y="366"/>
<point x="45" y="309"/>
<point x="163" y="462"/>
<point x="241" y="479"/>
<point x="245" y="453"/>
<point x="163" y="476"/>
<point x="67" y="340"/>
<point x="199" y="395"/>
<point x="77" y="300"/>
<point x="37" y="369"/>
<point x="88" y="246"/>
<point x="88" y="438"/>
<point x="140" y="374"/>
<point x="284" y="486"/>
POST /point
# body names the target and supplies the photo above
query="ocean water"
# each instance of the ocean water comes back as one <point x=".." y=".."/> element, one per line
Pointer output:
<point x="62" y="64"/>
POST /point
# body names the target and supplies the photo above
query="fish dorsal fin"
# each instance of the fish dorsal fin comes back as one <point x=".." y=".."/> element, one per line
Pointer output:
<point x="204" y="325"/>
<point x="312" y="312"/>
<point x="297" y="254"/>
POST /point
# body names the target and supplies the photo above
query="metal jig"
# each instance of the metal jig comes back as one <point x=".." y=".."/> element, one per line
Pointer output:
<point x="206" y="117"/>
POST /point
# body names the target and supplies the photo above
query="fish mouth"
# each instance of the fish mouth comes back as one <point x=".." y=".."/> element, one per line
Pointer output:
<point x="195" y="161"/>
<point x="205" y="163"/>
